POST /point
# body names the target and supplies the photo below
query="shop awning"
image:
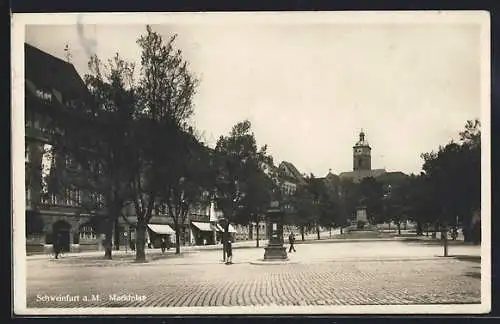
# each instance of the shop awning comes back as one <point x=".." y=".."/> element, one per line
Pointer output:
<point x="219" y="229"/>
<point x="204" y="227"/>
<point x="161" y="228"/>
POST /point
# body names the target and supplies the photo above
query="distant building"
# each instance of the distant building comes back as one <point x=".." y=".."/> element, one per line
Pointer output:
<point x="290" y="178"/>
<point x="362" y="162"/>
<point x="362" y="169"/>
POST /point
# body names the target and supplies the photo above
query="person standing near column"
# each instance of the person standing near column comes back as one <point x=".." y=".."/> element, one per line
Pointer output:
<point x="291" y="241"/>
<point x="229" y="252"/>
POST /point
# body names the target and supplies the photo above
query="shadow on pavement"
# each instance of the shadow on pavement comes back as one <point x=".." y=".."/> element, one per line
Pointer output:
<point x="469" y="258"/>
<point x="429" y="241"/>
<point x="119" y="260"/>
<point x="476" y="275"/>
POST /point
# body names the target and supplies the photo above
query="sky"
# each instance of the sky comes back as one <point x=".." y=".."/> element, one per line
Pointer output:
<point x="309" y="88"/>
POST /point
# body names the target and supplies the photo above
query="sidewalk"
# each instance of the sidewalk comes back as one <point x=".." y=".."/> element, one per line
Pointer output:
<point x="309" y="239"/>
<point x="241" y="244"/>
<point x="236" y="245"/>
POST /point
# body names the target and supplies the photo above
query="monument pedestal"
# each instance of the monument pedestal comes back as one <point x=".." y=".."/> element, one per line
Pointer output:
<point x="275" y="252"/>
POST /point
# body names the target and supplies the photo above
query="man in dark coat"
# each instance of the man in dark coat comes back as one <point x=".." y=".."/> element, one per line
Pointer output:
<point x="57" y="245"/>
<point x="291" y="241"/>
<point x="229" y="252"/>
<point x="163" y="244"/>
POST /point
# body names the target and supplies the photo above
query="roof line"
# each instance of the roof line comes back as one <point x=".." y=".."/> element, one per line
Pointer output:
<point x="48" y="54"/>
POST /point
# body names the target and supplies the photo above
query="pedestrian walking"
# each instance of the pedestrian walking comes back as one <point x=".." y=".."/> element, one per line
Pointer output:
<point x="57" y="246"/>
<point x="291" y="241"/>
<point x="229" y="252"/>
<point x="163" y="245"/>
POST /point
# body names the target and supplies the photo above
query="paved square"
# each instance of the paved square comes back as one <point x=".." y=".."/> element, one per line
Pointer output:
<point x="350" y="273"/>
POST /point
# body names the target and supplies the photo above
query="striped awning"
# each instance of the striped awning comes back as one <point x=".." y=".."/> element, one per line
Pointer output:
<point x="161" y="228"/>
<point x="204" y="227"/>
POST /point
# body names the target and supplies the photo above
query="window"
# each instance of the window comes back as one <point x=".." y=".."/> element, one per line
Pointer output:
<point x="67" y="197"/>
<point x="28" y="194"/>
<point x="53" y="199"/>
<point x="28" y="121"/>
<point x="68" y="162"/>
<point x="26" y="156"/>
<point x="78" y="196"/>
<point x="87" y="233"/>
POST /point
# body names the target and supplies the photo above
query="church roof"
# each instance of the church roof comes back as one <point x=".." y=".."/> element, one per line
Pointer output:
<point x="359" y="175"/>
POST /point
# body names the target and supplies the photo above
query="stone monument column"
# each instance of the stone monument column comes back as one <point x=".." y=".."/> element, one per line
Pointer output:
<point x="275" y="249"/>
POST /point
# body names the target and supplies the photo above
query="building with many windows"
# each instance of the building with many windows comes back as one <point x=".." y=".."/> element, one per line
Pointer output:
<point x="51" y="81"/>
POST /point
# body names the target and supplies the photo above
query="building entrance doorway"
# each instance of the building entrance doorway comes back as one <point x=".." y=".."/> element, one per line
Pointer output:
<point x="61" y="234"/>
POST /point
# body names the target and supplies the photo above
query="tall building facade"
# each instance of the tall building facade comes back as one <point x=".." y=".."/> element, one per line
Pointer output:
<point x="49" y="83"/>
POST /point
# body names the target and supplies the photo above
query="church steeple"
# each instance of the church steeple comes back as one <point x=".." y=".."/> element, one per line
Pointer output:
<point x="362" y="153"/>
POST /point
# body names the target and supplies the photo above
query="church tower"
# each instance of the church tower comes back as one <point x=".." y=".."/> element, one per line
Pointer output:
<point x="362" y="159"/>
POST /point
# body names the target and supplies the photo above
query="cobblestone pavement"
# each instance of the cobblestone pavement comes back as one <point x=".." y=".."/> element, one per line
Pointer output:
<point x="365" y="273"/>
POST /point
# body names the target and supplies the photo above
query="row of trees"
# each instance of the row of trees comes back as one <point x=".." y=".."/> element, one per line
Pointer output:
<point x="132" y="145"/>
<point x="130" y="140"/>
<point x="446" y="193"/>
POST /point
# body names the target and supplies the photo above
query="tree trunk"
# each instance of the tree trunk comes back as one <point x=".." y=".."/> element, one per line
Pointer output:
<point x="257" y="233"/>
<point x="476" y="233"/>
<point x="341" y="230"/>
<point x="399" y="228"/>
<point x="116" y="239"/>
<point x="140" y="253"/>
<point x="466" y="232"/>
<point x="444" y="236"/>
<point x="177" y="237"/>
<point x="419" y="229"/>
<point x="108" y="237"/>
<point x="302" y="232"/>
<point x="317" y="232"/>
